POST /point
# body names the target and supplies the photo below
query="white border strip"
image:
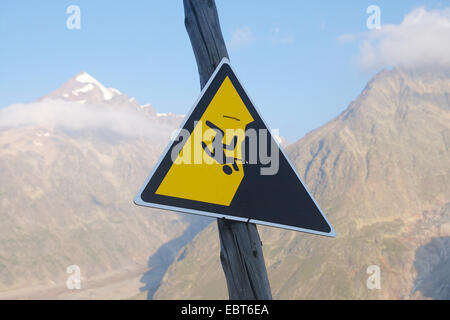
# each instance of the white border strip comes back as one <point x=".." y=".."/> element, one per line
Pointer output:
<point x="138" y="200"/>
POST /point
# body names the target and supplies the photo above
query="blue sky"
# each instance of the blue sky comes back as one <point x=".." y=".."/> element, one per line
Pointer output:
<point x="286" y="53"/>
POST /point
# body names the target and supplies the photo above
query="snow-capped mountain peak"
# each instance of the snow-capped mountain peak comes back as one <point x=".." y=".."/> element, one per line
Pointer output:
<point x="90" y="83"/>
<point x="84" y="88"/>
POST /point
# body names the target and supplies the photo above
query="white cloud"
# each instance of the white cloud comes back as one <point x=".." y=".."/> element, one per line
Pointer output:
<point x="281" y="38"/>
<point x="422" y="39"/>
<point x="241" y="38"/>
<point x="76" y="116"/>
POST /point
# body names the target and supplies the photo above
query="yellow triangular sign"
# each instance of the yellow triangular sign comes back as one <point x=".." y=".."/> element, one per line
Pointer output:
<point x="225" y="163"/>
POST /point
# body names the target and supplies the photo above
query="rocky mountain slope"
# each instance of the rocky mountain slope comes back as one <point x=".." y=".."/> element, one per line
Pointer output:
<point x="70" y="165"/>
<point x="381" y="173"/>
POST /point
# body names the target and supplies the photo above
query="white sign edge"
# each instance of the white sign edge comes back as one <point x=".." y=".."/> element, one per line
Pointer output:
<point x="138" y="199"/>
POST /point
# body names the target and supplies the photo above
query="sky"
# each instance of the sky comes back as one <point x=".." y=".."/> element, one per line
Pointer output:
<point x="301" y="62"/>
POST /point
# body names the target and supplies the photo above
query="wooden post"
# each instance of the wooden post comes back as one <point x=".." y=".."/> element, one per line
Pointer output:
<point x="240" y="246"/>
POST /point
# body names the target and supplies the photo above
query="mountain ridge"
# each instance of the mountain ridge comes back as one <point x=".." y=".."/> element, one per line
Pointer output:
<point x="70" y="167"/>
<point x="380" y="172"/>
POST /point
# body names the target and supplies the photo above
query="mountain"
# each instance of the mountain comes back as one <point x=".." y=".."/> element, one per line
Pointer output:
<point x="84" y="88"/>
<point x="70" y="166"/>
<point x="381" y="173"/>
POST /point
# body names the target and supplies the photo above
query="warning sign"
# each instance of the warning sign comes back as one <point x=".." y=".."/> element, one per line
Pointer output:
<point x="225" y="163"/>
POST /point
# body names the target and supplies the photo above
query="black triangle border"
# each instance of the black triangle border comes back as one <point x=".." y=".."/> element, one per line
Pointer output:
<point x="138" y="199"/>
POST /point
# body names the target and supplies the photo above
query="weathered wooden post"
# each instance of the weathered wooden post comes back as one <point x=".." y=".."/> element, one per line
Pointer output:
<point x="240" y="246"/>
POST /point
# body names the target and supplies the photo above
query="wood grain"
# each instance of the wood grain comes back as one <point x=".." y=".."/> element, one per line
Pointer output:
<point x="241" y="252"/>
